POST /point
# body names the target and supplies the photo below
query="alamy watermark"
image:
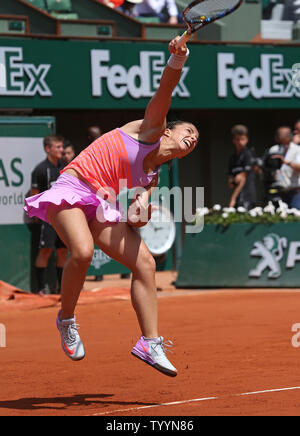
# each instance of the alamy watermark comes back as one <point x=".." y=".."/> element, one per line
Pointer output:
<point x="183" y="203"/>
<point x="2" y="336"/>
<point x="296" y="336"/>
<point x="296" y="75"/>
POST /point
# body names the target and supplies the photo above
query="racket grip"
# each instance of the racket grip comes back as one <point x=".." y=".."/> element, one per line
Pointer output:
<point x="183" y="39"/>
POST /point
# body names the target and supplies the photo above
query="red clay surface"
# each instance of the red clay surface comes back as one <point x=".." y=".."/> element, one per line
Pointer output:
<point x="226" y="343"/>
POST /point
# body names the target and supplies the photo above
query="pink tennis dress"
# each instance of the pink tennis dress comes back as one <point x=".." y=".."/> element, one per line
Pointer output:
<point x="110" y="162"/>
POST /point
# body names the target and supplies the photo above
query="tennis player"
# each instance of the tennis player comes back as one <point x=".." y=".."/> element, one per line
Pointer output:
<point x="82" y="218"/>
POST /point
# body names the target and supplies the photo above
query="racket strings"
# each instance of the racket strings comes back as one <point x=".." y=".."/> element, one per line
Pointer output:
<point x="209" y="9"/>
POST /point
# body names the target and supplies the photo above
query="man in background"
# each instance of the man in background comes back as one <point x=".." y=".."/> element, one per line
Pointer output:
<point x="241" y="173"/>
<point x="68" y="153"/>
<point x="283" y="162"/>
<point x="42" y="178"/>
<point x="296" y="133"/>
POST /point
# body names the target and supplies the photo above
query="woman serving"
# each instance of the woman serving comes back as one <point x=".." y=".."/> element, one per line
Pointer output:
<point x="82" y="218"/>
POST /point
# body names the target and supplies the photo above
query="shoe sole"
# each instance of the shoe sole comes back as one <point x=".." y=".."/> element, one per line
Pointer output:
<point x="159" y="368"/>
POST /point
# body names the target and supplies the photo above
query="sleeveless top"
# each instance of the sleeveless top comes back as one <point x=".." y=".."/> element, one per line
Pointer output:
<point x="113" y="161"/>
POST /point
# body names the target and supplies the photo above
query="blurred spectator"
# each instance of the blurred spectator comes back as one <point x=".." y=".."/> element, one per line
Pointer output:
<point x="68" y="153"/>
<point x="42" y="178"/>
<point x="282" y="162"/>
<point x="157" y="8"/>
<point x="111" y="3"/>
<point x="267" y="6"/>
<point x="128" y="7"/>
<point x="93" y="133"/>
<point x="296" y="132"/>
<point x="241" y="174"/>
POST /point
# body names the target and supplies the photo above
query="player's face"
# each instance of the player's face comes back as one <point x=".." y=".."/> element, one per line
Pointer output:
<point x="240" y="141"/>
<point x="185" y="137"/>
<point x="55" y="150"/>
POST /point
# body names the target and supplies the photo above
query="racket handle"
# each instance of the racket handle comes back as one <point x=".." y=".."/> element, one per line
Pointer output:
<point x="183" y="39"/>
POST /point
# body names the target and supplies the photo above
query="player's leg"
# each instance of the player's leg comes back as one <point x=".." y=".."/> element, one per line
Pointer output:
<point x="71" y="226"/>
<point x="124" y="244"/>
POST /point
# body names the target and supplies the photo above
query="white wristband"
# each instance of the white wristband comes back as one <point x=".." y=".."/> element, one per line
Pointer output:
<point x="177" y="62"/>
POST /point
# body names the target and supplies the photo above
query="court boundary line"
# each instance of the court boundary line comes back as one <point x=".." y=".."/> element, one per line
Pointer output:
<point x="195" y="400"/>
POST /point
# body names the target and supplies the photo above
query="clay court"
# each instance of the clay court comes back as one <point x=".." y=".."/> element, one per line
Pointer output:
<point x="233" y="351"/>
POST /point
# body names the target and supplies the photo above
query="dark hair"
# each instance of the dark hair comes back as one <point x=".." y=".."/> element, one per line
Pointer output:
<point x="69" y="146"/>
<point x="238" y="130"/>
<point x="48" y="140"/>
<point x="172" y="124"/>
<point x="68" y="143"/>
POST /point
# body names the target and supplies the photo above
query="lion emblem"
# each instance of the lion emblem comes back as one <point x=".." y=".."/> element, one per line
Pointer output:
<point x="271" y="251"/>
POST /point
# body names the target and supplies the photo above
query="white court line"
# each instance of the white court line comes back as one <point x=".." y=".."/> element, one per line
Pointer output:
<point x="270" y="390"/>
<point x="195" y="400"/>
<point x="152" y="406"/>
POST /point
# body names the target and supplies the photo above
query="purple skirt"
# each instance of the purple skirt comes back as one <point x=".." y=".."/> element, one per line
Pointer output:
<point x="70" y="191"/>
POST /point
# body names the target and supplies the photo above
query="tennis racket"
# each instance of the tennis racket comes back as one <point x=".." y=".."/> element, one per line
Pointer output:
<point x="199" y="13"/>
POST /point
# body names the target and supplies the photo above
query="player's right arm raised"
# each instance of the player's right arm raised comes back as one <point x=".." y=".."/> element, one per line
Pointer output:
<point x="154" y="122"/>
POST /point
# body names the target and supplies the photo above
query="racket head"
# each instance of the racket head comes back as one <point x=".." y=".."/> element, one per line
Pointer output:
<point x="202" y="12"/>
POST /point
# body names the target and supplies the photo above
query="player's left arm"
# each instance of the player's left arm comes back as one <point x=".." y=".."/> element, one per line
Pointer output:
<point x="139" y="211"/>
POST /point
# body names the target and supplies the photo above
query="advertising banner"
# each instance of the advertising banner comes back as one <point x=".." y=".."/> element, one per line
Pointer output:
<point x="21" y="149"/>
<point x="242" y="256"/>
<point x="122" y="75"/>
<point x="18" y="158"/>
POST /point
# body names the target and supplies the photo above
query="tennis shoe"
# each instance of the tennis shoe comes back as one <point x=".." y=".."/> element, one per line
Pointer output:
<point x="153" y="352"/>
<point x="70" y="339"/>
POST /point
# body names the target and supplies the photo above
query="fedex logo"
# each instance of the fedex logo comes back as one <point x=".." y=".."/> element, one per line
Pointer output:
<point x="21" y="79"/>
<point x="271" y="79"/>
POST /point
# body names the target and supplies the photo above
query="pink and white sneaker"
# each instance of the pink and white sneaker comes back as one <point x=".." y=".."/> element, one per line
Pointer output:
<point x="153" y="352"/>
<point x="70" y="339"/>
